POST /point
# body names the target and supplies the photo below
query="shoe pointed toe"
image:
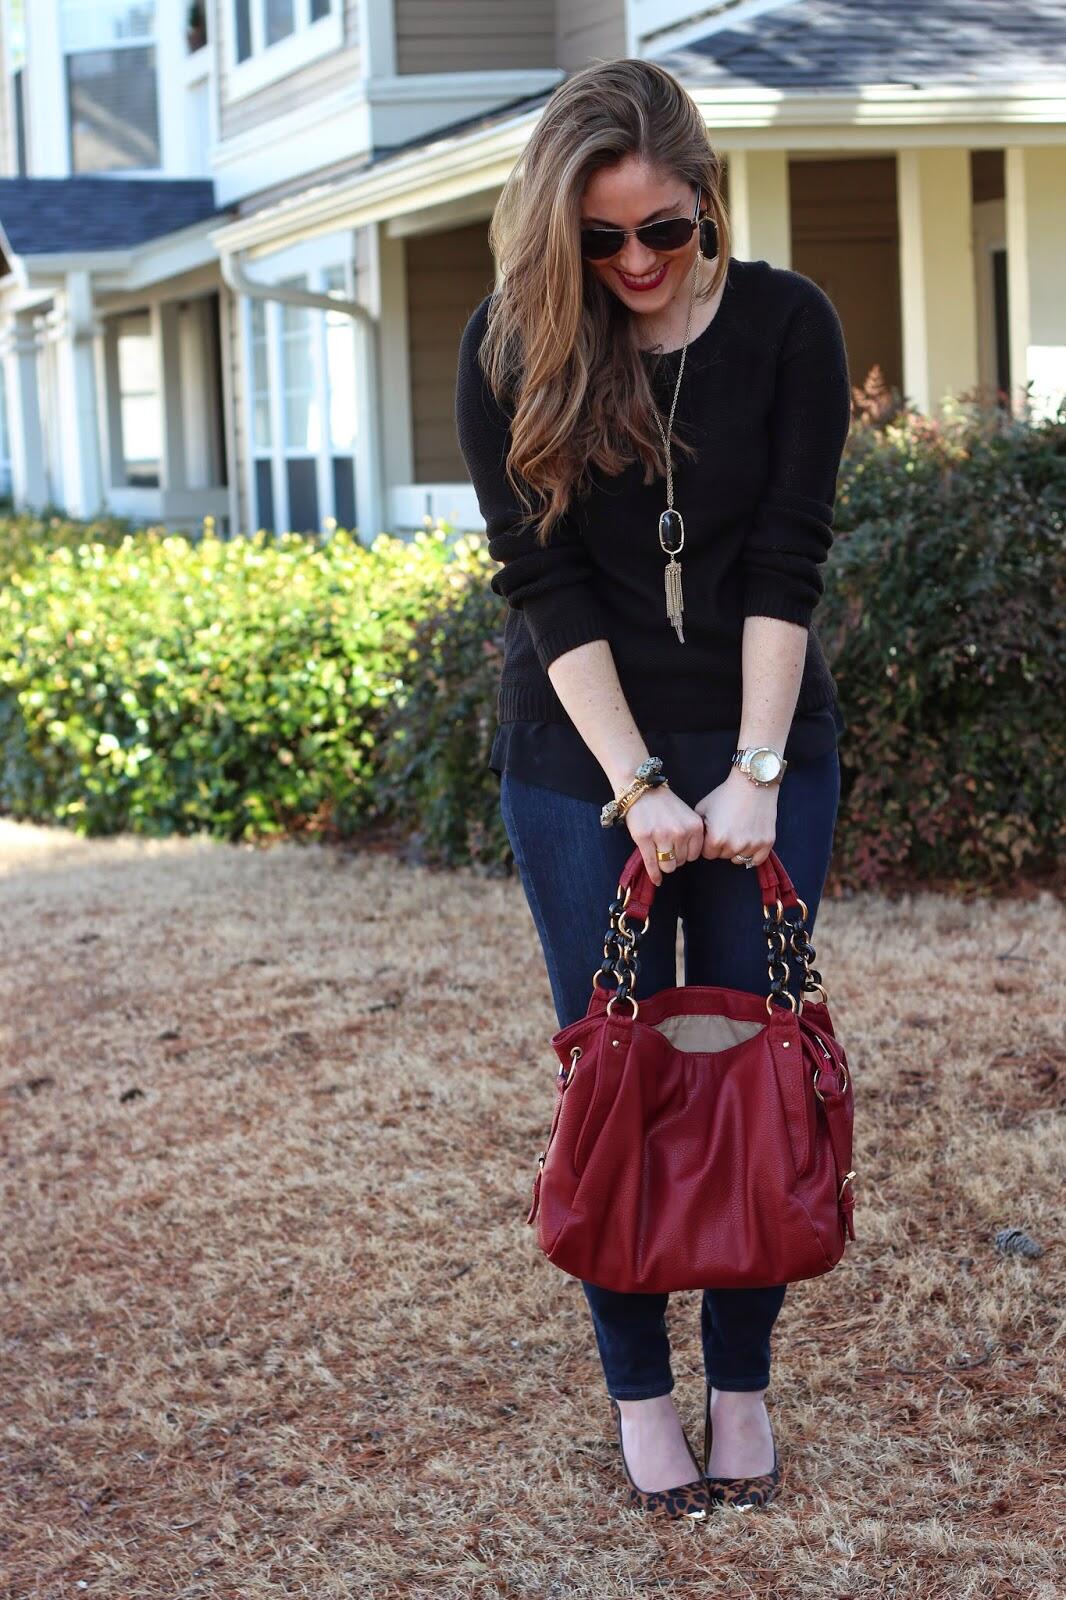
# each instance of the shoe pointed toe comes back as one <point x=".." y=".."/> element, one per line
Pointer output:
<point x="689" y="1500"/>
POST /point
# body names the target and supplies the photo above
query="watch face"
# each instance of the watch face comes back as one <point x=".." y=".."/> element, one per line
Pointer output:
<point x="765" y="765"/>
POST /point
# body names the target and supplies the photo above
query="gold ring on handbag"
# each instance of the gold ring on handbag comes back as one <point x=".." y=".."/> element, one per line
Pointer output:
<point x="664" y="855"/>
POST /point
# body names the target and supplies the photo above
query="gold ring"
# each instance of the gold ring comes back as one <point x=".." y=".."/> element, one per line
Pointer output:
<point x="665" y="855"/>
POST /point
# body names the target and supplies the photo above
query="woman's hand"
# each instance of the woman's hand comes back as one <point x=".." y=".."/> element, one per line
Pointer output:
<point x="739" y="818"/>
<point x="659" y="819"/>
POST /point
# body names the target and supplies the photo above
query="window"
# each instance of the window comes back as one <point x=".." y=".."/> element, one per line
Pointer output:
<point x="271" y="38"/>
<point x="139" y="401"/>
<point x="280" y="20"/>
<point x="13" y="24"/>
<point x="301" y="411"/>
<point x="302" y="404"/>
<point x="112" y="100"/>
<point x="303" y="428"/>
<point x="262" y="23"/>
<point x="262" y="416"/>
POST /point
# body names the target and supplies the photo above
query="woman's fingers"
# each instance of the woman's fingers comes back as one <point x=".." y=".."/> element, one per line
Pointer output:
<point x="664" y="822"/>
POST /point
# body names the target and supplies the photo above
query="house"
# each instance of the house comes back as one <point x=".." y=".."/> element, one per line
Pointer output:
<point x="239" y="240"/>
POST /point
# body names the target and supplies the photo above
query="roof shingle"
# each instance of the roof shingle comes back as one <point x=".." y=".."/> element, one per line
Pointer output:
<point x="42" y="216"/>
<point x="808" y="45"/>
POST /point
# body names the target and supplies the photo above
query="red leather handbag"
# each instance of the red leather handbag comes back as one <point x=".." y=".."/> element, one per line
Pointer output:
<point x="702" y="1138"/>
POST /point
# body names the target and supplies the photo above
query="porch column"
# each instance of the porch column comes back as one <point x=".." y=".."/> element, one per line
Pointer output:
<point x="79" y="425"/>
<point x="398" y="440"/>
<point x="113" y="452"/>
<point x="167" y="341"/>
<point x="759" y="208"/>
<point x="938" y="293"/>
<point x="371" y="512"/>
<point x="197" y="362"/>
<point x="1035" y="183"/>
<point x="29" y="477"/>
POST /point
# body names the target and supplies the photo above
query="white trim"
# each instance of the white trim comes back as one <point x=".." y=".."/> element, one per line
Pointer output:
<point x="195" y="66"/>
<point x="451" y="166"/>
<point x="156" y="261"/>
<point x="228" y="309"/>
<point x="655" y="26"/>
<point x="413" y="88"/>
<point x="172" y="92"/>
<point x="269" y="63"/>
<point x="47" y="111"/>
<point x="172" y="506"/>
<point x="394" y="398"/>
<point x="377" y="37"/>
<point x="408" y="505"/>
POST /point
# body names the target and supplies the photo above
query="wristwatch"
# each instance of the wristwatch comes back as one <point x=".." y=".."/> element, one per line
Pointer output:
<point x="761" y="763"/>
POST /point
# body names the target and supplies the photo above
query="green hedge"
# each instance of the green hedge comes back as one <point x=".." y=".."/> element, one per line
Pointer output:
<point x="163" y="684"/>
<point x="258" y="685"/>
<point x="942" y="620"/>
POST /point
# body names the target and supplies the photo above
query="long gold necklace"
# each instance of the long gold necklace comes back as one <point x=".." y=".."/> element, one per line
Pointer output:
<point x="671" y="525"/>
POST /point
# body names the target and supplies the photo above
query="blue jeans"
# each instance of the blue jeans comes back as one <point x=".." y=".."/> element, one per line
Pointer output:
<point x="569" y="867"/>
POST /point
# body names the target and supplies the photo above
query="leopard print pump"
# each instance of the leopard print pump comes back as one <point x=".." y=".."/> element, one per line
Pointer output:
<point x="686" y="1500"/>
<point x="747" y="1494"/>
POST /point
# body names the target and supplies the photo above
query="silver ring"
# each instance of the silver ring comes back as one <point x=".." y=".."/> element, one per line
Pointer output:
<point x="749" y="861"/>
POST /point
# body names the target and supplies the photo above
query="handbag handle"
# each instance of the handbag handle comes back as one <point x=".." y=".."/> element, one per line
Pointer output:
<point x="636" y="891"/>
<point x="774" y="883"/>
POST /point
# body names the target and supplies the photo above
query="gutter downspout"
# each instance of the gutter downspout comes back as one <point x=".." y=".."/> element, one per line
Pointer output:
<point x="369" y="482"/>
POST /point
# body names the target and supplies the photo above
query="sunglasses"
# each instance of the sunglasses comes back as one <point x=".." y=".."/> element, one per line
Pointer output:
<point x="672" y="233"/>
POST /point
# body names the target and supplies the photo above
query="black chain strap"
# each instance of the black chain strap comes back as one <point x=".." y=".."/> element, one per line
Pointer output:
<point x="620" y="958"/>
<point x="621" y="962"/>
<point x="774" y="928"/>
<point x="799" y="938"/>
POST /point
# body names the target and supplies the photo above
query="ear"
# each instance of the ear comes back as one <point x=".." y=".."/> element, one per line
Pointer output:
<point x="708" y="237"/>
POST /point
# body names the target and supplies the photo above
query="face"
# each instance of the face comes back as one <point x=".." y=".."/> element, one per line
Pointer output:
<point x="624" y="196"/>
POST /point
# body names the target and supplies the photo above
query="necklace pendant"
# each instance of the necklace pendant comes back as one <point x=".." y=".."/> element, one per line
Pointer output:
<point x="674" y="599"/>
<point x="671" y="531"/>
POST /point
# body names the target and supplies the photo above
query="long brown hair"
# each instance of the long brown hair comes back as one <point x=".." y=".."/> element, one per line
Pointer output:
<point x="559" y="350"/>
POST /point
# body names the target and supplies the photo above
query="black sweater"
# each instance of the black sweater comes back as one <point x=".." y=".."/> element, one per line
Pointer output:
<point x="766" y="398"/>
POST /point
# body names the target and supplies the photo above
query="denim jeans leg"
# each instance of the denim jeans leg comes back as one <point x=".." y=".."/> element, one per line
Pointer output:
<point x="725" y="945"/>
<point x="569" y="866"/>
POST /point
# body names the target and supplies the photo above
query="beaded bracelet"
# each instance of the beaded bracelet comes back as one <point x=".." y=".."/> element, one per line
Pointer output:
<point x="648" y="776"/>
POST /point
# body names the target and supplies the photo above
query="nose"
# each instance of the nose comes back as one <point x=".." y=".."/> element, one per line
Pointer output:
<point x="635" y="258"/>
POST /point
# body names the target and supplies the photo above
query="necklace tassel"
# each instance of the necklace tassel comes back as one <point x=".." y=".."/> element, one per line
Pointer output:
<point x="674" y="600"/>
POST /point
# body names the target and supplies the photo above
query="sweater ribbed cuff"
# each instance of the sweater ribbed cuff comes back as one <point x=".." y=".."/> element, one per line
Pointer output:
<point x="765" y="598"/>
<point x="556" y="638"/>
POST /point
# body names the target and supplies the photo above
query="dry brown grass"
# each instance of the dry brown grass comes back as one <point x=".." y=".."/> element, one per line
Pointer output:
<point x="274" y="1324"/>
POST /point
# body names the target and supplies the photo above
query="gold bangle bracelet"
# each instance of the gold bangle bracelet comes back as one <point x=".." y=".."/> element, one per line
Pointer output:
<point x="634" y="792"/>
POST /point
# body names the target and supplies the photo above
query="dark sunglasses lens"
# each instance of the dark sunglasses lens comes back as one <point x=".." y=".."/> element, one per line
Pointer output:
<point x="597" y="244"/>
<point x="668" y="235"/>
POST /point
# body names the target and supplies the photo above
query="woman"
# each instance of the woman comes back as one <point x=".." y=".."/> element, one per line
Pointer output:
<point x="626" y="365"/>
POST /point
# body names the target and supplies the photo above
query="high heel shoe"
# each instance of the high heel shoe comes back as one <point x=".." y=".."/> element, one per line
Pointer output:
<point x="747" y="1494"/>
<point x="685" y="1500"/>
